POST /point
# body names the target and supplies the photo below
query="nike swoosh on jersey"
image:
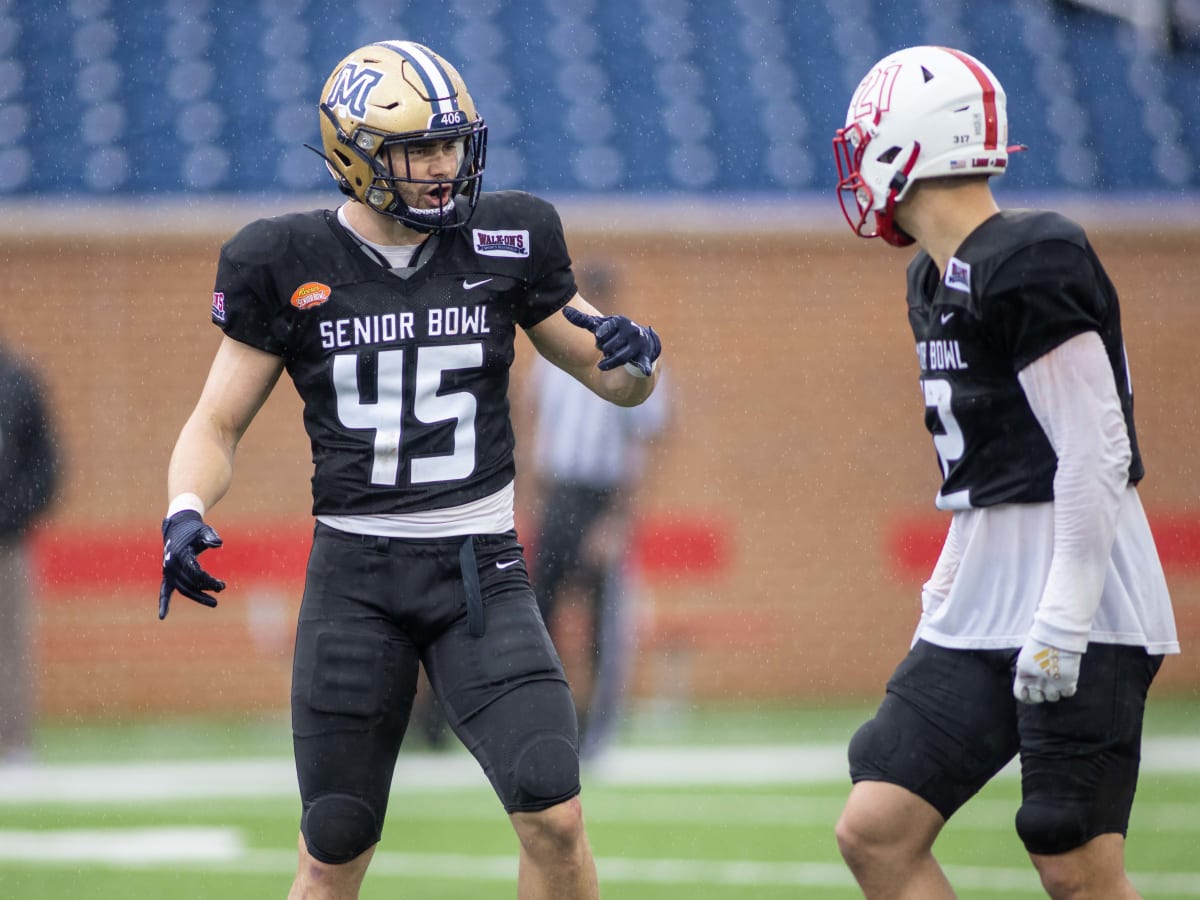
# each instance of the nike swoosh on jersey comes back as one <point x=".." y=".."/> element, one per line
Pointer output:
<point x="505" y="565"/>
<point x="467" y="285"/>
<point x="946" y="317"/>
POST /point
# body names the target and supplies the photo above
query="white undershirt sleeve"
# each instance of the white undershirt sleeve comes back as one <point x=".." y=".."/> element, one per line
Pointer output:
<point x="1072" y="392"/>
<point x="183" y="501"/>
<point x="935" y="591"/>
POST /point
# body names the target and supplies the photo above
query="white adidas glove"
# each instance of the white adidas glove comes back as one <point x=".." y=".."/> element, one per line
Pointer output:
<point x="1045" y="673"/>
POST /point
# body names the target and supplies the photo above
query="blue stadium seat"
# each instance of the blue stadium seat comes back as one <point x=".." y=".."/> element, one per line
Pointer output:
<point x="621" y="97"/>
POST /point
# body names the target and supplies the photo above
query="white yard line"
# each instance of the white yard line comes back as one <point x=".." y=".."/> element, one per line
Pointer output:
<point x="122" y="847"/>
<point x="141" y="782"/>
<point x="222" y="850"/>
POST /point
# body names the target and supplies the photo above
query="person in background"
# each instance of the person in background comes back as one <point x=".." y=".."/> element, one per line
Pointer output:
<point x="395" y="317"/>
<point x="589" y="459"/>
<point x="1047" y="614"/>
<point x="29" y="477"/>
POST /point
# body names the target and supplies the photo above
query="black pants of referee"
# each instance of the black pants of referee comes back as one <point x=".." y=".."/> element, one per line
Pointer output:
<point x="569" y="514"/>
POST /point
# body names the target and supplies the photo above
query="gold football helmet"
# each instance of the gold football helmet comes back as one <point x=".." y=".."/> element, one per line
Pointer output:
<point x="396" y="94"/>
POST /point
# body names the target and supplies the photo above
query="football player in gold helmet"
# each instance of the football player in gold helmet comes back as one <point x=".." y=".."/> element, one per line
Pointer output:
<point x="395" y="316"/>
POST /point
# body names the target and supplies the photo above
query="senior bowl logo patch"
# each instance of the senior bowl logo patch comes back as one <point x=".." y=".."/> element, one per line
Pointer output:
<point x="512" y="244"/>
<point x="310" y="294"/>
<point x="218" y="307"/>
<point x="958" y="275"/>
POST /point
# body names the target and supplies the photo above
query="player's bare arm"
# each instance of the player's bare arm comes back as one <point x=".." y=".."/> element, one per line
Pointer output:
<point x="573" y="348"/>
<point x="239" y="382"/>
<point x="201" y="468"/>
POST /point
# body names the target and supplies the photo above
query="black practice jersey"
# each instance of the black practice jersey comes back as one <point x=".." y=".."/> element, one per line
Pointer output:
<point x="1021" y="284"/>
<point x="404" y="380"/>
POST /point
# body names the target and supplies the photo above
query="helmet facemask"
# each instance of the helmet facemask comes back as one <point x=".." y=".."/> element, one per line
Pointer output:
<point x="850" y="145"/>
<point x="389" y="159"/>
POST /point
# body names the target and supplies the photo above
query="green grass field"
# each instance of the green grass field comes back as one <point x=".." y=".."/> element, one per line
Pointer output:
<point x="697" y="804"/>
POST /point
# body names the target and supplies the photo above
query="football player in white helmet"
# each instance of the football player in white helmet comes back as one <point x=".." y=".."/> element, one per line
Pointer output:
<point x="1047" y="615"/>
<point x="395" y="316"/>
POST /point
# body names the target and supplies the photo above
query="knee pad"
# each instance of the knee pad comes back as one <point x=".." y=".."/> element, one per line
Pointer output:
<point x="338" y="827"/>
<point x="547" y="772"/>
<point x="1047" y="828"/>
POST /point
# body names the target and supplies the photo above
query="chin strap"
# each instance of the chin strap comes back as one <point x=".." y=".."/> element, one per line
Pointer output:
<point x="416" y="218"/>
<point x="885" y="220"/>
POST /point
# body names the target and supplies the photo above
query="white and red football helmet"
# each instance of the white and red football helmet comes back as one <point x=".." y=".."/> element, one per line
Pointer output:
<point x="922" y="112"/>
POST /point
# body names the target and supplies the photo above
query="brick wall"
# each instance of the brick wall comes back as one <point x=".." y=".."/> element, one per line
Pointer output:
<point x="798" y="444"/>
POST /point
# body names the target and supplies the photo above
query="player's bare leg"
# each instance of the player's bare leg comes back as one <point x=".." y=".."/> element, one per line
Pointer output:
<point x="556" y="858"/>
<point x="886" y="836"/>
<point x="316" y="880"/>
<point x="1095" y="871"/>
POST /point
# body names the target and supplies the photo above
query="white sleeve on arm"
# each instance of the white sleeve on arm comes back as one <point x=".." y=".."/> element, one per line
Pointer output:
<point x="1072" y="392"/>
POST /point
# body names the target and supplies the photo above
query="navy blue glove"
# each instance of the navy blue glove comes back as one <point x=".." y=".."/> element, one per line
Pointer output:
<point x="184" y="536"/>
<point x="622" y="341"/>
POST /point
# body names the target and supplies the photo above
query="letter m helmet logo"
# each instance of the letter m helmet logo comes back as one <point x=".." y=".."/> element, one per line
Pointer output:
<point x="350" y="88"/>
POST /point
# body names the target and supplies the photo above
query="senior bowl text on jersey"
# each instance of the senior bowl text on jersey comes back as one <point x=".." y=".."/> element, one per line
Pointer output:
<point x="403" y="373"/>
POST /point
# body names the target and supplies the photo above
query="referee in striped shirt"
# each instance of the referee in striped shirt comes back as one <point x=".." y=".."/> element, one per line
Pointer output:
<point x="588" y="458"/>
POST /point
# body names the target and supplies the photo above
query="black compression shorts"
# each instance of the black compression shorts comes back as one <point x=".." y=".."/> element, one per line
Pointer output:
<point x="375" y="607"/>
<point x="949" y="723"/>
